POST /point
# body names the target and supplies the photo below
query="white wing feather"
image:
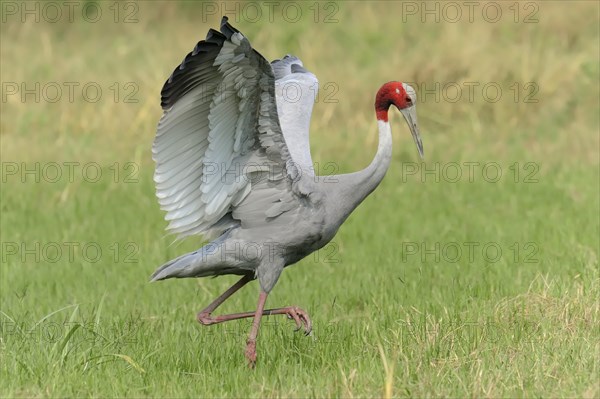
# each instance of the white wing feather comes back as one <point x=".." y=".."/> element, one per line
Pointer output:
<point x="296" y="90"/>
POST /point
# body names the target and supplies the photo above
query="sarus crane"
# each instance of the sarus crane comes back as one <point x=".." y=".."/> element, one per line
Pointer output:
<point x="233" y="164"/>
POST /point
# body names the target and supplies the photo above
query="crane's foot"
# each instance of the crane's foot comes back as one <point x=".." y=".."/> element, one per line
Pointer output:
<point x="251" y="353"/>
<point x="295" y="313"/>
<point x="300" y="317"/>
<point x="205" y="319"/>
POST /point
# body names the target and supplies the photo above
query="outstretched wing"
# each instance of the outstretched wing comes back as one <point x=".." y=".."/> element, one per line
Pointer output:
<point x="221" y="158"/>
<point x="296" y="90"/>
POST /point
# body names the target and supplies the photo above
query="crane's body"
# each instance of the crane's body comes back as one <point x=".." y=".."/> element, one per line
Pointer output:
<point x="260" y="251"/>
<point x="233" y="164"/>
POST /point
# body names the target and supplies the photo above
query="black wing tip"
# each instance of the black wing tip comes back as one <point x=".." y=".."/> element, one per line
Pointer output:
<point x="214" y="36"/>
<point x="214" y="40"/>
<point x="226" y="28"/>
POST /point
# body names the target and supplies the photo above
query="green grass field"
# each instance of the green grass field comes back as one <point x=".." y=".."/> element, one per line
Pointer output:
<point x="484" y="284"/>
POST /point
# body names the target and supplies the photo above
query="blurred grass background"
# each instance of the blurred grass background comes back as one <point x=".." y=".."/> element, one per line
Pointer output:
<point x="387" y="324"/>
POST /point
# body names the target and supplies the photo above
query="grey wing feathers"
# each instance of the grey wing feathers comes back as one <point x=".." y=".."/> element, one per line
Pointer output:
<point x="220" y="129"/>
<point x="296" y="90"/>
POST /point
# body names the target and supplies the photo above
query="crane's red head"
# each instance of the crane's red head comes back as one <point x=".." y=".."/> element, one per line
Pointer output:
<point x="393" y="93"/>
<point x="404" y="98"/>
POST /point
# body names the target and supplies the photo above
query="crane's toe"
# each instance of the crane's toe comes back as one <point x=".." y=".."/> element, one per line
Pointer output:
<point x="300" y="317"/>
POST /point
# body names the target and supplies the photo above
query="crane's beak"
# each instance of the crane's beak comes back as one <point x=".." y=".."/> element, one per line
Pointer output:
<point x="410" y="114"/>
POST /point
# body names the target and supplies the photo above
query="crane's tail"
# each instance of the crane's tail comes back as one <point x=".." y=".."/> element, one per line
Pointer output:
<point x="182" y="266"/>
<point x="206" y="261"/>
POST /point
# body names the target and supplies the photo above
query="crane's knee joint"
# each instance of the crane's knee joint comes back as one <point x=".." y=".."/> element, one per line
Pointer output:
<point x="205" y="319"/>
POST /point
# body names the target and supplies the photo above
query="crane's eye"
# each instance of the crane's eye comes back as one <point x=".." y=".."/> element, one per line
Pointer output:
<point x="408" y="99"/>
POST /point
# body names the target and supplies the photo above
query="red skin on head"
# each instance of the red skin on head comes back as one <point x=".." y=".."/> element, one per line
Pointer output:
<point x="390" y="93"/>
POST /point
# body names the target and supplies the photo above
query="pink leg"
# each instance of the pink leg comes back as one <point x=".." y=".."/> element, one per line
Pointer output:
<point x="203" y="316"/>
<point x="251" y="342"/>
<point x="293" y="312"/>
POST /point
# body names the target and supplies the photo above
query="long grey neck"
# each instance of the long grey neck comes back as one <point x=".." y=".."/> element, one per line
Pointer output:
<point x="345" y="192"/>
